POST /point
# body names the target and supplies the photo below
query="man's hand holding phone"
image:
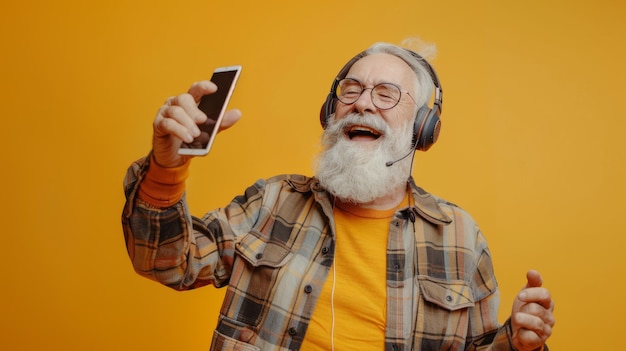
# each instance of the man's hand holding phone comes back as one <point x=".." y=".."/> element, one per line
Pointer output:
<point x="178" y="121"/>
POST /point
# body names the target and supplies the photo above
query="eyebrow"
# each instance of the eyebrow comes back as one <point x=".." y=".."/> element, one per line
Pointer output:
<point x="376" y="83"/>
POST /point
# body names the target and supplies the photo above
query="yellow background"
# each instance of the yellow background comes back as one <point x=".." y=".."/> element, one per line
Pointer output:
<point x="532" y="145"/>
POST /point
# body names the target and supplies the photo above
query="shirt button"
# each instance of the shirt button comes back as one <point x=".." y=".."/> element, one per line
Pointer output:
<point x="292" y="331"/>
<point x="324" y="250"/>
<point x="259" y="256"/>
<point x="308" y="289"/>
<point x="448" y="298"/>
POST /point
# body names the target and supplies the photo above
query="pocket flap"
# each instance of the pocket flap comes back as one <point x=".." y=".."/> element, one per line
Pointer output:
<point x="260" y="252"/>
<point x="224" y="343"/>
<point x="449" y="294"/>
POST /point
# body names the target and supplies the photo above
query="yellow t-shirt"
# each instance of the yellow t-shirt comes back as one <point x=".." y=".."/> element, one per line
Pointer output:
<point x="358" y="278"/>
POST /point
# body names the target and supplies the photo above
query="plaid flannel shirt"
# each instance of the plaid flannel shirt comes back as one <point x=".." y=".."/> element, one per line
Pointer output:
<point x="272" y="247"/>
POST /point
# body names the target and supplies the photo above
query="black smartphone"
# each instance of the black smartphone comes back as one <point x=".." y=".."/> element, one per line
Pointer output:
<point x="214" y="106"/>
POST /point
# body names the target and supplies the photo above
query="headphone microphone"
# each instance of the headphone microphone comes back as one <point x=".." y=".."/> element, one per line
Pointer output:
<point x="391" y="163"/>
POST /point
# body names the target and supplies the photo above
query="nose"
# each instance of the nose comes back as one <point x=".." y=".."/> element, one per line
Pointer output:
<point x="364" y="103"/>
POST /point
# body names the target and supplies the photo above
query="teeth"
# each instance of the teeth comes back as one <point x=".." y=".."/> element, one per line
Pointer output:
<point x="363" y="129"/>
<point x="354" y="131"/>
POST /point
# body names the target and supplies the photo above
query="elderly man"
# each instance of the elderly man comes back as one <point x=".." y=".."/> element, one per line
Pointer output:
<point x="356" y="258"/>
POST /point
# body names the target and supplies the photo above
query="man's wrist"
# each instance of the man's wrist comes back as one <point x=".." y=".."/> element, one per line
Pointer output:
<point x="163" y="186"/>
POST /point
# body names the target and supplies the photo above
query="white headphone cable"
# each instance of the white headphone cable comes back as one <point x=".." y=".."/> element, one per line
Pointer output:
<point x="332" y="305"/>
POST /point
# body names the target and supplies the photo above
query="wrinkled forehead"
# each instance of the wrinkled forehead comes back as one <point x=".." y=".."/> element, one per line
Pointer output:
<point x="382" y="68"/>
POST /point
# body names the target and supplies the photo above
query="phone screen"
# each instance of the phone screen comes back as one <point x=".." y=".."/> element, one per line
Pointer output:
<point x="214" y="106"/>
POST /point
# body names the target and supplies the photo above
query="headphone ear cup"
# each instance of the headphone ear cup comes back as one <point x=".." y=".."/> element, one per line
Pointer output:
<point x="327" y="109"/>
<point x="420" y="117"/>
<point x="426" y="128"/>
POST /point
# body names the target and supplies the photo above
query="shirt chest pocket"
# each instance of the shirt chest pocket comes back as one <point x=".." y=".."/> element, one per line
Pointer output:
<point x="256" y="274"/>
<point x="445" y="305"/>
<point x="261" y="252"/>
<point x="451" y="295"/>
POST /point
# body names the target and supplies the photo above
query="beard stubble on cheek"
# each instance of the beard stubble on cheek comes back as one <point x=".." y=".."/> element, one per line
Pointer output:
<point x="357" y="171"/>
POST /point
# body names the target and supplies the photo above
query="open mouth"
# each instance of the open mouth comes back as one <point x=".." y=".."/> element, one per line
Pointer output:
<point x="362" y="133"/>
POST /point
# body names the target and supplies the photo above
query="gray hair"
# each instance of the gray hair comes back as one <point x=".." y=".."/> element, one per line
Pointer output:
<point x="425" y="86"/>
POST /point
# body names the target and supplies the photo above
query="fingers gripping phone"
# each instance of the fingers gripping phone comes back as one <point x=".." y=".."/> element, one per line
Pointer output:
<point x="214" y="106"/>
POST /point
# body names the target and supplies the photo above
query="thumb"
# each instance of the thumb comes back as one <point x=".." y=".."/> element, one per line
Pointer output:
<point x="230" y="117"/>
<point x="533" y="279"/>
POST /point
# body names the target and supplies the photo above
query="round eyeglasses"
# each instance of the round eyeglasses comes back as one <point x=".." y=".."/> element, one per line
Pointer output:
<point x="384" y="96"/>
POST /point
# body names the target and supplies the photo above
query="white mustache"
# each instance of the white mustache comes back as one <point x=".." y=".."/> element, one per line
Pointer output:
<point x="367" y="120"/>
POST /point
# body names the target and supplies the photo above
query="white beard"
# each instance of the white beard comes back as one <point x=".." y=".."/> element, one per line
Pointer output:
<point x="357" y="172"/>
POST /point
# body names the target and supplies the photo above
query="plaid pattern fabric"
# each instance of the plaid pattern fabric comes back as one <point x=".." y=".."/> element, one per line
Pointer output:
<point x="272" y="247"/>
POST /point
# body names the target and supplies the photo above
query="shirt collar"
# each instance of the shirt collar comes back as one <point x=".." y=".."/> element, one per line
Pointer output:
<point x="425" y="205"/>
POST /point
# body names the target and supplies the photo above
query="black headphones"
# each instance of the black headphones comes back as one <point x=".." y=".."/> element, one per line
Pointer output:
<point x="427" y="121"/>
